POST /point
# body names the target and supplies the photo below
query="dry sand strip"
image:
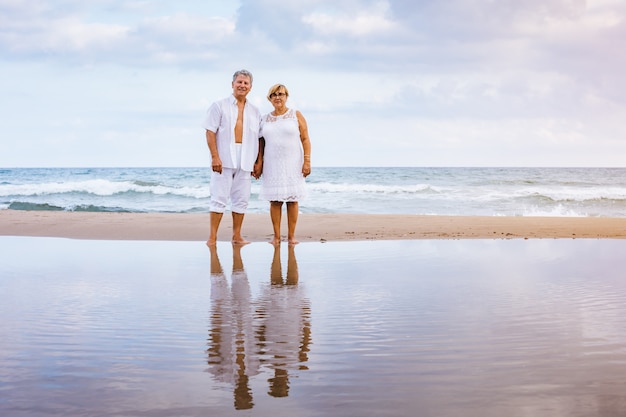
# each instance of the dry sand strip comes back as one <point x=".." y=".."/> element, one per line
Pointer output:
<point x="311" y="227"/>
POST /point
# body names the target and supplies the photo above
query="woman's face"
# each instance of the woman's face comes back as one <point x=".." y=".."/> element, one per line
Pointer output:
<point x="278" y="98"/>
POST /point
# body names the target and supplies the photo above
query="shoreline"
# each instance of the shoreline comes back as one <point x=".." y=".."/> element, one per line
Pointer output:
<point x="311" y="227"/>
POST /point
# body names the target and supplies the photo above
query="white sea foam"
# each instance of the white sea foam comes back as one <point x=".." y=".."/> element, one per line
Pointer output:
<point x="444" y="191"/>
<point x="98" y="187"/>
<point x="372" y="188"/>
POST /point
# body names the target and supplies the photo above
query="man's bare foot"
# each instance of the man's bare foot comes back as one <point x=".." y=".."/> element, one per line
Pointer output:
<point x="240" y="241"/>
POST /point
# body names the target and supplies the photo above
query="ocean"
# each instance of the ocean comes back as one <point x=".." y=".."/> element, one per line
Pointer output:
<point x="569" y="192"/>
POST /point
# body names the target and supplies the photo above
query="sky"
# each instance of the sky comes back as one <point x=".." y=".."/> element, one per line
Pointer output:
<point x="112" y="83"/>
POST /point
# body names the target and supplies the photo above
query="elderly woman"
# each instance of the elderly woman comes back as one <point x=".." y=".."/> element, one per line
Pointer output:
<point x="286" y="151"/>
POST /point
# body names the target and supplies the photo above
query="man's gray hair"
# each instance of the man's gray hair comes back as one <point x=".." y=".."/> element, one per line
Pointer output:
<point x="243" y="72"/>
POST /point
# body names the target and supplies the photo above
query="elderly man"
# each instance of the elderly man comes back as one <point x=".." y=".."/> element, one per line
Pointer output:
<point x="232" y="133"/>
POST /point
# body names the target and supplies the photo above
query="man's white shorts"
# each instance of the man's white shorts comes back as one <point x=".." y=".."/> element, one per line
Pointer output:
<point x="231" y="183"/>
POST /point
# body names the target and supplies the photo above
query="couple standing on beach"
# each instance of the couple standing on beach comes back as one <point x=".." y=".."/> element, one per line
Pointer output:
<point x="244" y="144"/>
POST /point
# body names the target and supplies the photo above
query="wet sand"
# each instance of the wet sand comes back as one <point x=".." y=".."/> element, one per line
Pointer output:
<point x="444" y="327"/>
<point x="311" y="227"/>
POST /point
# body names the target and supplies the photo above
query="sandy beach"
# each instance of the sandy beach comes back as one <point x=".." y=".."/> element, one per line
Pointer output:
<point x="311" y="227"/>
<point x="131" y="314"/>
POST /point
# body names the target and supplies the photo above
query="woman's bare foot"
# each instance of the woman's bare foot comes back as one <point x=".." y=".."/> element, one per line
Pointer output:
<point x="211" y="242"/>
<point x="293" y="241"/>
<point x="240" y="241"/>
<point x="275" y="241"/>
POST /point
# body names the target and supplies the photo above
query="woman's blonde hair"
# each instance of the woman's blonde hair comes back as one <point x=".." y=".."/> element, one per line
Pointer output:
<point x="275" y="88"/>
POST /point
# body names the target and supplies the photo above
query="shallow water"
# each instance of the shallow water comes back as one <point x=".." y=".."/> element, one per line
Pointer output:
<point x="386" y="328"/>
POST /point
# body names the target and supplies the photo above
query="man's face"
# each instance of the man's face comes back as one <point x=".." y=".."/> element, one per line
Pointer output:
<point x="241" y="86"/>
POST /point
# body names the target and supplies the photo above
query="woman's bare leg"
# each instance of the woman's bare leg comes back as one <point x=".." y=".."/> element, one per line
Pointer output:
<point x="292" y="219"/>
<point x="276" y="209"/>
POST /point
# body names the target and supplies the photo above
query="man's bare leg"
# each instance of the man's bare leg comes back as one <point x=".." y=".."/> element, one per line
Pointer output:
<point x="237" y="222"/>
<point x="292" y="220"/>
<point x="276" y="210"/>
<point x="216" y="218"/>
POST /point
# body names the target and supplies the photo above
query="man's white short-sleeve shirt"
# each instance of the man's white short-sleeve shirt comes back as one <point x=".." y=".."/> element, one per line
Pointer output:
<point x="221" y="118"/>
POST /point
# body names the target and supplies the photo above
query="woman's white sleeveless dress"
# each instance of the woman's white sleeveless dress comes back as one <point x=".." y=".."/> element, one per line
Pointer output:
<point x="282" y="178"/>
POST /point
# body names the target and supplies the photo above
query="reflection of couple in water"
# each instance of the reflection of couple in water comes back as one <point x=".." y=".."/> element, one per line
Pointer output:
<point x="247" y="336"/>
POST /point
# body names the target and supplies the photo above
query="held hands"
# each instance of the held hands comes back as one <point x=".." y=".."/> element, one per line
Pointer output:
<point x="258" y="169"/>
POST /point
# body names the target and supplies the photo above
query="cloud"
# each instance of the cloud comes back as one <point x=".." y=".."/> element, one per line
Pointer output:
<point x="182" y="38"/>
<point x="385" y="36"/>
<point x="109" y="33"/>
<point x="188" y="28"/>
<point x="66" y="35"/>
<point x="469" y="77"/>
<point x="367" y="22"/>
<point x="36" y="28"/>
